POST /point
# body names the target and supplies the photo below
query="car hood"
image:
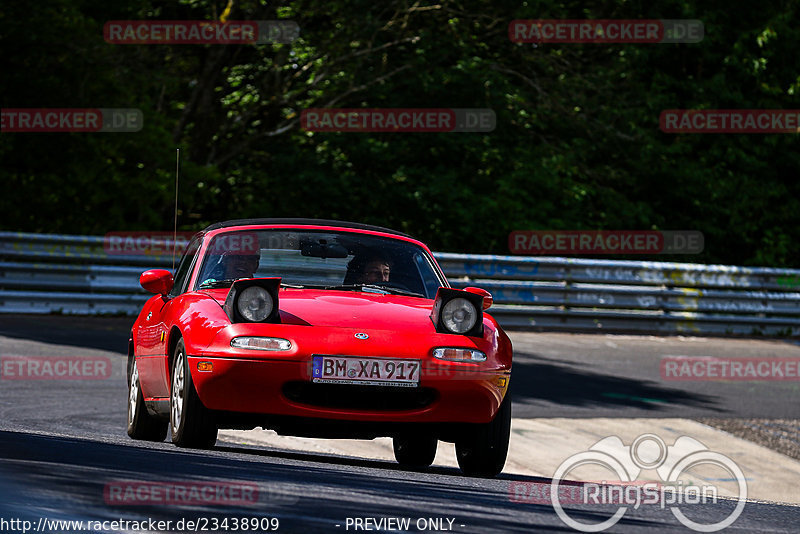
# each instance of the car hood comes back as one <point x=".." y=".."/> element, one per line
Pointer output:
<point x="347" y="309"/>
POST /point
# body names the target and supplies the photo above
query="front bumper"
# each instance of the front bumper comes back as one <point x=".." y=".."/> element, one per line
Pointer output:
<point x="279" y="383"/>
<point x="281" y="387"/>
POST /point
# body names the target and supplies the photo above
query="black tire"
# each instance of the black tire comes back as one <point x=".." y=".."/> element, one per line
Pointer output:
<point x="191" y="423"/>
<point x="415" y="452"/>
<point x="481" y="450"/>
<point x="141" y="425"/>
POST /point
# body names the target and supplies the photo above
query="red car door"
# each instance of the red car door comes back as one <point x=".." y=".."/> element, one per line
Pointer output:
<point x="150" y="349"/>
<point x="154" y="325"/>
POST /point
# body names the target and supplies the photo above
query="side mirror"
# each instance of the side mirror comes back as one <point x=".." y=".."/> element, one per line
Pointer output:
<point x="487" y="297"/>
<point x="158" y="281"/>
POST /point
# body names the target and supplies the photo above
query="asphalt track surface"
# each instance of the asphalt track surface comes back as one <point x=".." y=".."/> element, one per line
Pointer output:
<point x="62" y="442"/>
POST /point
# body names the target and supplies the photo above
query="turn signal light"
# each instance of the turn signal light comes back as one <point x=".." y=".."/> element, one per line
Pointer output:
<point x="459" y="354"/>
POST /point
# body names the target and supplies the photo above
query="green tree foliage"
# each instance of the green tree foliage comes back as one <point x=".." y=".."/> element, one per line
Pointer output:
<point x="577" y="143"/>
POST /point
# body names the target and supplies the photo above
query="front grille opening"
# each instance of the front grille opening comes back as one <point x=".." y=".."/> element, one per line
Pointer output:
<point x="356" y="397"/>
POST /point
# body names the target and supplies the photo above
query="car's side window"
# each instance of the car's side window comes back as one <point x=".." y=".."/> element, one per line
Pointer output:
<point x="182" y="275"/>
<point x="427" y="273"/>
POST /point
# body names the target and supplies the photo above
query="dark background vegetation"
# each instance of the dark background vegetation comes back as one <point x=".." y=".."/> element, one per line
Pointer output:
<point x="577" y="143"/>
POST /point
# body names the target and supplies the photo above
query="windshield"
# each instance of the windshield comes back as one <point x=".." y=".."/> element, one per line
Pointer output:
<point x="321" y="259"/>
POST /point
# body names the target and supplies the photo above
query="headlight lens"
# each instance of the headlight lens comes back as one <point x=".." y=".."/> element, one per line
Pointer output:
<point x="255" y="304"/>
<point x="459" y="315"/>
<point x="261" y="343"/>
<point x="459" y="354"/>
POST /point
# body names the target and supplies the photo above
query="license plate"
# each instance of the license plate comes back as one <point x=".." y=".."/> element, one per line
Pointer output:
<point x="365" y="371"/>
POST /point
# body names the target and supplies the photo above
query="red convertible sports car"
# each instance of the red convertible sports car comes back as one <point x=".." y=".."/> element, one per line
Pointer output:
<point x="321" y="329"/>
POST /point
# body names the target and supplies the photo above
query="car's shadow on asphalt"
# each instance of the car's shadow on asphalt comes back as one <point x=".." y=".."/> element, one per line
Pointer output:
<point x="328" y="458"/>
<point x="102" y="333"/>
<point x="537" y="378"/>
<point x="308" y="492"/>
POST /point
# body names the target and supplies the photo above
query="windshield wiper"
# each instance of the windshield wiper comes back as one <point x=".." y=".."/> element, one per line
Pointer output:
<point x="375" y="288"/>
<point x="210" y="284"/>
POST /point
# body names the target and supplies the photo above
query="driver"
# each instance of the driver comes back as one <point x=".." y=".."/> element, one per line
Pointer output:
<point x="234" y="265"/>
<point x="240" y="265"/>
<point x="369" y="270"/>
<point x="376" y="270"/>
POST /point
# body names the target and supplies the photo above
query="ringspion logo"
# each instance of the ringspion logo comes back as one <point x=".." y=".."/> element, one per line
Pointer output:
<point x="605" y="31"/>
<point x="397" y="120"/>
<point x="70" y="120"/>
<point x="200" y="31"/>
<point x="575" y="492"/>
<point x="730" y="121"/>
<point x="672" y="463"/>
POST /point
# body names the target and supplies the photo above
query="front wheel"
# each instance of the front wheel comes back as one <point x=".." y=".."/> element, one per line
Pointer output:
<point x="482" y="449"/>
<point x="191" y="423"/>
<point x="141" y="425"/>
<point x="414" y="452"/>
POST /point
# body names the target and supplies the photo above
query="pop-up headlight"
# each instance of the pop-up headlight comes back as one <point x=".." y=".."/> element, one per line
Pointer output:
<point x="458" y="312"/>
<point x="253" y="300"/>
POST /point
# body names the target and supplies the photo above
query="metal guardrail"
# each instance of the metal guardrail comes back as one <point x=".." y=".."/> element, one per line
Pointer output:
<point x="45" y="273"/>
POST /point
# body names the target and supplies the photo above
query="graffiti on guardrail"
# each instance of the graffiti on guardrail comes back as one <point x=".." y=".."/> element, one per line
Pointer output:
<point x="647" y="301"/>
<point x="618" y="273"/>
<point x="790" y="281"/>
<point x="676" y="277"/>
<point x="696" y="277"/>
<point x="494" y="269"/>
<point x="49" y="273"/>
<point x="594" y="298"/>
<point x="695" y="304"/>
<point x="52" y="248"/>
